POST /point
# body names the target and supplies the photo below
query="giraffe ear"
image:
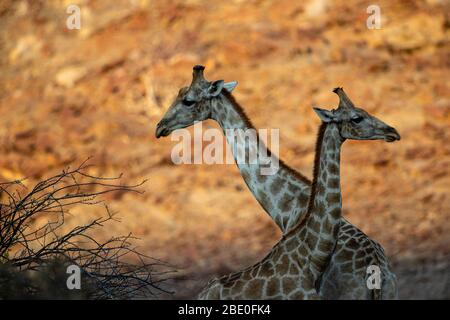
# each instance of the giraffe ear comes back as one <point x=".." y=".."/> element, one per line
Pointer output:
<point x="229" y="86"/>
<point x="215" y="88"/>
<point x="324" y="115"/>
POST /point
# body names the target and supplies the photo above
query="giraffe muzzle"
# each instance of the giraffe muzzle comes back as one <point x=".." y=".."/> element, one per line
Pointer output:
<point x="162" y="130"/>
<point x="391" y="135"/>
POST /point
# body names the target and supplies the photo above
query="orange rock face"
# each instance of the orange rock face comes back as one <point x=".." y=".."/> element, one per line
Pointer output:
<point x="99" y="91"/>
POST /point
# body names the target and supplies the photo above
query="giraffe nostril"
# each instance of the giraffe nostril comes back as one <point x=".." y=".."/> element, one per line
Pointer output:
<point x="161" y="128"/>
<point x="392" y="134"/>
<point x="395" y="132"/>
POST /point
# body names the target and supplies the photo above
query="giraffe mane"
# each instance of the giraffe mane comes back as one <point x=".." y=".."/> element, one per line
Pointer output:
<point x="319" y="142"/>
<point x="238" y="108"/>
<point x="318" y="154"/>
<point x="247" y="121"/>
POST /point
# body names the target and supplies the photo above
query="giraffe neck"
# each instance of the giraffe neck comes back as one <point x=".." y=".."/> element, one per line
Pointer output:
<point x="318" y="232"/>
<point x="284" y="194"/>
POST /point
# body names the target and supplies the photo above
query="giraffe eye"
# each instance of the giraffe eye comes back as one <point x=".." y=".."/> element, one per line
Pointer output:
<point x="357" y="119"/>
<point x="188" y="103"/>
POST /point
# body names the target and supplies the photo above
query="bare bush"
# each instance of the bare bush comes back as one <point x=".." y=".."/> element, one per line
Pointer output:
<point x="30" y="252"/>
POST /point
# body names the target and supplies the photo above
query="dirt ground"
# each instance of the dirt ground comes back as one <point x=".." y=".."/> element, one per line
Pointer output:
<point x="99" y="91"/>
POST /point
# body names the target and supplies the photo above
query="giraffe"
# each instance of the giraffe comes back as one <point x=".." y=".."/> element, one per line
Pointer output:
<point x="294" y="266"/>
<point x="284" y="195"/>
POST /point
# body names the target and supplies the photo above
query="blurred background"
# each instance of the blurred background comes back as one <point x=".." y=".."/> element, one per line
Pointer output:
<point x="66" y="95"/>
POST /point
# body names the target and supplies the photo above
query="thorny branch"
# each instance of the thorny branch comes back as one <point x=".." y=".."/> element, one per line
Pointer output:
<point x="103" y="263"/>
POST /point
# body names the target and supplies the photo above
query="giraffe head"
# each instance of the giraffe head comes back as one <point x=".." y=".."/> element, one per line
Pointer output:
<point x="192" y="103"/>
<point x="356" y="123"/>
